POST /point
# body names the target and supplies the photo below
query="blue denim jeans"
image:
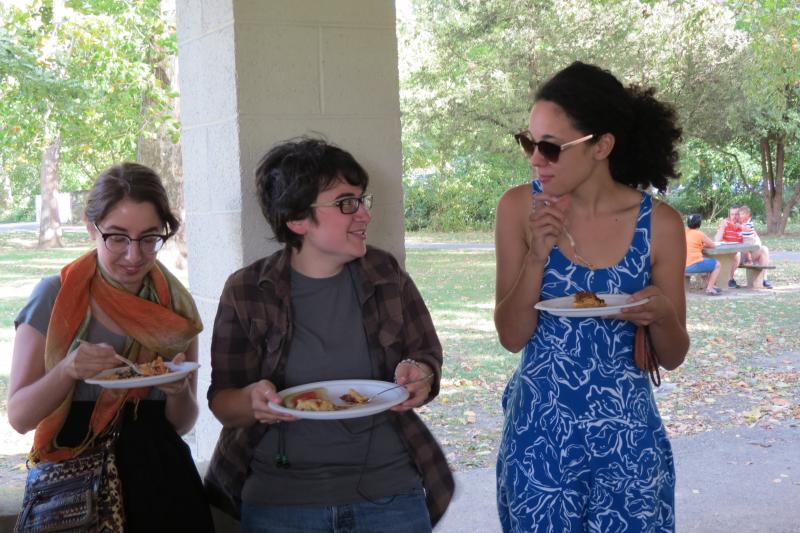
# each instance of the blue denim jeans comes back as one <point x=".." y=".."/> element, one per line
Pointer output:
<point x="403" y="513"/>
<point x="702" y="267"/>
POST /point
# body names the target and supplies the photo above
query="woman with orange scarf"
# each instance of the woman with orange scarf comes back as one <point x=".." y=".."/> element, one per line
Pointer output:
<point x="115" y="300"/>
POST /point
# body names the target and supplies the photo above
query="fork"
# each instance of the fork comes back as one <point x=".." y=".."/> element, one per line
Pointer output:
<point x="397" y="387"/>
<point x="130" y="364"/>
<point x="133" y="366"/>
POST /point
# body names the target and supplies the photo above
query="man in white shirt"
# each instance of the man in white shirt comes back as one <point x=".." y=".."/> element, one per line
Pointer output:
<point x="749" y="236"/>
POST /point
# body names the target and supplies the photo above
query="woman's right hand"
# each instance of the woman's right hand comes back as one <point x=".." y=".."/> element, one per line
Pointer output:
<point x="88" y="360"/>
<point x="545" y="225"/>
<point x="262" y="394"/>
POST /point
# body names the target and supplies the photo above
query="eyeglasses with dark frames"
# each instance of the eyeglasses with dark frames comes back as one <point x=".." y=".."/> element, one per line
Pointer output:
<point x="118" y="243"/>
<point x="349" y="205"/>
<point x="549" y="151"/>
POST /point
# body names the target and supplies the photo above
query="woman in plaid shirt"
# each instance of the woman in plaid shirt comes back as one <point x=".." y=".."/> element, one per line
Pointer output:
<point x="325" y="307"/>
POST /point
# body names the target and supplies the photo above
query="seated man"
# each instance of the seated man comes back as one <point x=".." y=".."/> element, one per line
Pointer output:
<point x="730" y="231"/>
<point x="749" y="236"/>
<point x="696" y="240"/>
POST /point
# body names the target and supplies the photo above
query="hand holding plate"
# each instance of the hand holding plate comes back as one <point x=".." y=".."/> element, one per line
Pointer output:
<point x="654" y="306"/>
<point x="262" y="396"/>
<point x="417" y="376"/>
<point x="176" y="387"/>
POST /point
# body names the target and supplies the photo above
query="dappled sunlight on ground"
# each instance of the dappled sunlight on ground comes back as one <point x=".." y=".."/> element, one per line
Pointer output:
<point x="463" y="321"/>
<point x="6" y="348"/>
<point x="11" y="442"/>
<point x="20" y="289"/>
<point x="700" y="326"/>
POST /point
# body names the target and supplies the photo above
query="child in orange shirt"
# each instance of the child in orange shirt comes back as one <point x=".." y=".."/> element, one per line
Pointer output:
<point x="696" y="240"/>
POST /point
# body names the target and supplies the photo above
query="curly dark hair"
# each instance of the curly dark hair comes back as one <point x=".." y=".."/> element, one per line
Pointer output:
<point x="645" y="130"/>
<point x="136" y="182"/>
<point x="291" y="175"/>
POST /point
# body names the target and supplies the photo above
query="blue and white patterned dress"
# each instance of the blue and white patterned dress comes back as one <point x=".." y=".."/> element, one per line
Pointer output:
<point x="583" y="446"/>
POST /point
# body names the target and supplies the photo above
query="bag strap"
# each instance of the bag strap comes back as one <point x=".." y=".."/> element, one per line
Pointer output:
<point x="652" y="363"/>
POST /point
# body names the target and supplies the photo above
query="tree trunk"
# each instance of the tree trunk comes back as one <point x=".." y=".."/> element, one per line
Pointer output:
<point x="49" y="219"/>
<point x="164" y="156"/>
<point x="787" y="209"/>
<point x="775" y="212"/>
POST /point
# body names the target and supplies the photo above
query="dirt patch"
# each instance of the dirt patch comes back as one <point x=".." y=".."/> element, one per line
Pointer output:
<point x="13" y="471"/>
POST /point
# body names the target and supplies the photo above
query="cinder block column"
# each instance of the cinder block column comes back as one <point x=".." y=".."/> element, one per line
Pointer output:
<point x="254" y="72"/>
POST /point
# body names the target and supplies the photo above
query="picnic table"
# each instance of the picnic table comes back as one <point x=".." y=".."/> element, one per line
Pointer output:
<point x="725" y="253"/>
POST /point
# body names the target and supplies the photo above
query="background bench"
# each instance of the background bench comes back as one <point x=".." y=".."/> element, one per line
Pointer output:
<point x="755" y="274"/>
<point x="687" y="280"/>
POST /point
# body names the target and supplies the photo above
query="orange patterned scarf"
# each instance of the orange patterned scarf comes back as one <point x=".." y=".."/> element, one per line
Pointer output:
<point x="161" y="319"/>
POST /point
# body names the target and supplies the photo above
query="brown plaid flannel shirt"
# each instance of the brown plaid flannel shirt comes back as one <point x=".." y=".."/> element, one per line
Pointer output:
<point x="251" y="337"/>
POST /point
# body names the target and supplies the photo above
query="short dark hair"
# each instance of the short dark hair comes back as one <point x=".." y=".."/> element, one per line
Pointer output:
<point x="645" y="130"/>
<point x="291" y="175"/>
<point x="694" y="221"/>
<point x="136" y="182"/>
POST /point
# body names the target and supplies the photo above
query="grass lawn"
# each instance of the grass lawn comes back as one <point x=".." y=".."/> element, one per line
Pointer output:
<point x="790" y="241"/>
<point x="742" y="368"/>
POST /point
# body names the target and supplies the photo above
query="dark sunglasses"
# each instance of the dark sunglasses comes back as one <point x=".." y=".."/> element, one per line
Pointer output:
<point x="549" y="151"/>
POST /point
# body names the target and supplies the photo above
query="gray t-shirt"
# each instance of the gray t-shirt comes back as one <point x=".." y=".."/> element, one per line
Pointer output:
<point x="332" y="461"/>
<point x="36" y="314"/>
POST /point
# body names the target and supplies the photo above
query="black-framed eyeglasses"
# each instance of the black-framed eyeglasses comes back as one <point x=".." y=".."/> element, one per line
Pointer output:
<point x="549" y="151"/>
<point x="349" y="205"/>
<point x="118" y="243"/>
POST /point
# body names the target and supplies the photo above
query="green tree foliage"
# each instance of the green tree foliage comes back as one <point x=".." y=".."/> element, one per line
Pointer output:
<point x="470" y="69"/>
<point x="769" y="119"/>
<point x="84" y="75"/>
<point x="713" y="180"/>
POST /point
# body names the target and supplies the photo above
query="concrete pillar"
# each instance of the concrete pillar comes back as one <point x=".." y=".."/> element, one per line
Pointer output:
<point x="254" y="72"/>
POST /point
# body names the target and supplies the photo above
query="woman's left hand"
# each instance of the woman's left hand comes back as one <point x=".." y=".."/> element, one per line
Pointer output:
<point x="420" y="377"/>
<point x="176" y="387"/>
<point x="654" y="310"/>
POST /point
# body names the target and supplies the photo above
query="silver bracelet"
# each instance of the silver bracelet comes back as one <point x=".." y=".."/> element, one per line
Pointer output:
<point x="418" y="366"/>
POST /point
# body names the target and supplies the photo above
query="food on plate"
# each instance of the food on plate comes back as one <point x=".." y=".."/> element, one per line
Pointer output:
<point x="156" y="367"/>
<point x="314" y="404"/>
<point x="588" y="299"/>
<point x="352" y="396"/>
<point x="310" y="400"/>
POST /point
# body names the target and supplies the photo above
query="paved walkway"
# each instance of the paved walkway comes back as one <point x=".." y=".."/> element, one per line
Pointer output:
<point x="745" y="480"/>
<point x="34" y="226"/>
<point x="413" y="245"/>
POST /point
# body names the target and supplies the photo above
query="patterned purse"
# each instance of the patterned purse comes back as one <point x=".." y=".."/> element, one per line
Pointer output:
<point x="82" y="494"/>
<point x="645" y="356"/>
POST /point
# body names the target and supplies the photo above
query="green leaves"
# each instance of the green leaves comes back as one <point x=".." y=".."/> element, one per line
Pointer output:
<point x="469" y="71"/>
<point x="91" y="66"/>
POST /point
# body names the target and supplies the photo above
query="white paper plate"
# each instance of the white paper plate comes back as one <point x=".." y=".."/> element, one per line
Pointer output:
<point x="334" y="389"/>
<point x="179" y="370"/>
<point x="565" y="306"/>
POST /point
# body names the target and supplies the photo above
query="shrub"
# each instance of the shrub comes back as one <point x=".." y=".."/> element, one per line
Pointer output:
<point x="461" y="197"/>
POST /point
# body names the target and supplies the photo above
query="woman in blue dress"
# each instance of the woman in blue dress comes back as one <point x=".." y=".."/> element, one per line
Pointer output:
<point x="583" y="446"/>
